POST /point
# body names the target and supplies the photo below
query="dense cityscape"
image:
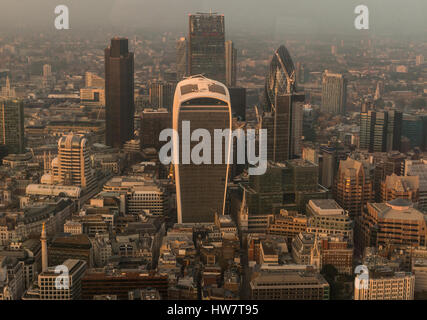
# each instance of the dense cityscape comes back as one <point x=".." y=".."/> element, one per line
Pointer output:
<point x="89" y="210"/>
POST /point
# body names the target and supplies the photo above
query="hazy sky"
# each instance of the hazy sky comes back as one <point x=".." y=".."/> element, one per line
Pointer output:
<point x="308" y="16"/>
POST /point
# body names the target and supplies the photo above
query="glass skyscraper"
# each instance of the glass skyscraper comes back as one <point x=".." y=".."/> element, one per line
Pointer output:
<point x="206" y="46"/>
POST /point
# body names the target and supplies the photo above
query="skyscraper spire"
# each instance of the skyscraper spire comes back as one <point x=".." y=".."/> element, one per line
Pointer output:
<point x="43" y="240"/>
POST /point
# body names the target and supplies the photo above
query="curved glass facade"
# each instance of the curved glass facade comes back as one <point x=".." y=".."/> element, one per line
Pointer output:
<point x="280" y="78"/>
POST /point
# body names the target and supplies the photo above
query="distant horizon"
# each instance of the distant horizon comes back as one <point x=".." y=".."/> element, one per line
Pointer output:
<point x="387" y="17"/>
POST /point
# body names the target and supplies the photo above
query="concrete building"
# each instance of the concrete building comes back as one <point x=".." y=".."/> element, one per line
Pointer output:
<point x="326" y="216"/>
<point x="271" y="285"/>
<point x="395" y="222"/>
<point x="404" y="187"/>
<point x="353" y="187"/>
<point x="385" y="286"/>
<point x="334" y="93"/>
<point x="72" y="166"/>
<point x="69" y="287"/>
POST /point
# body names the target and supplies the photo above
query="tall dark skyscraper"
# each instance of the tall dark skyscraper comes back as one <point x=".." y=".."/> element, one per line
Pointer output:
<point x="380" y="131"/>
<point x="12" y="125"/>
<point x="206" y="46"/>
<point x="231" y="64"/>
<point x="119" y="93"/>
<point x="283" y="106"/>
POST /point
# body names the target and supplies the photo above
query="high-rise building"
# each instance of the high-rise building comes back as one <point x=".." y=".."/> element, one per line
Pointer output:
<point x="230" y="64"/>
<point x="379" y="139"/>
<point x="418" y="168"/>
<point x="404" y="187"/>
<point x="238" y="102"/>
<point x="152" y="123"/>
<point x="334" y="93"/>
<point x="412" y="128"/>
<point x="161" y="95"/>
<point x="380" y="131"/>
<point x="284" y="116"/>
<point x="200" y="103"/>
<point x="181" y="58"/>
<point x="394" y="130"/>
<point x="353" y="187"/>
<point x="206" y="46"/>
<point x="366" y="127"/>
<point x="12" y="125"/>
<point x="119" y="93"/>
<point x="72" y="165"/>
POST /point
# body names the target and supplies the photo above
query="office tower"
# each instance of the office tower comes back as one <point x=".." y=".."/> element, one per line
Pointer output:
<point x="327" y="166"/>
<point x="152" y="123"/>
<point x="385" y="285"/>
<point x="12" y="125"/>
<point x="70" y="286"/>
<point x="149" y="197"/>
<point x="181" y="58"/>
<point x="380" y="131"/>
<point x="161" y="94"/>
<point x="119" y="88"/>
<point x="327" y="217"/>
<point x="43" y="240"/>
<point x="379" y="138"/>
<point x="418" y="168"/>
<point x="412" y="128"/>
<point x="206" y="46"/>
<point x="367" y="122"/>
<point x="230" y="64"/>
<point x="334" y="93"/>
<point x="238" y="102"/>
<point x="394" y="130"/>
<point x="419" y="60"/>
<point x="308" y="123"/>
<point x="404" y="187"/>
<point x="353" y="187"/>
<point x="96" y="282"/>
<point x="289" y="285"/>
<point x="200" y="103"/>
<point x="283" y="106"/>
<point x="72" y="165"/>
<point x="387" y="224"/>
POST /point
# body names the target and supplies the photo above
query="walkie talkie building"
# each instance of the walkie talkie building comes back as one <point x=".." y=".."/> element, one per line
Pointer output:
<point x="200" y="188"/>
